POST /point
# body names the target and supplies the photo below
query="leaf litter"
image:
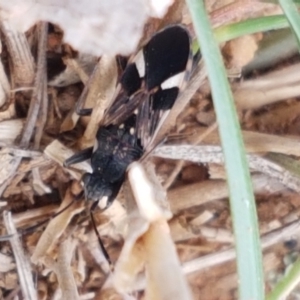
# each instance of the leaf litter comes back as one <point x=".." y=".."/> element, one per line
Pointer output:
<point x="181" y="246"/>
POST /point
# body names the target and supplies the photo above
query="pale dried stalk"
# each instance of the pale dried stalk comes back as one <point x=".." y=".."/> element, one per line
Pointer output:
<point x="34" y="103"/>
<point x="38" y="184"/>
<point x="219" y="235"/>
<point x="284" y="77"/>
<point x="56" y="227"/>
<point x="25" y="217"/>
<point x="75" y="66"/>
<point x="42" y="117"/>
<point x="101" y="91"/>
<point x="149" y="241"/>
<point x="267" y="240"/>
<point x="38" y="93"/>
<point x="6" y="263"/>
<point x="273" y="87"/>
<point x="9" y="113"/>
<point x="4" y="83"/>
<point x="145" y="196"/>
<point x="217" y="258"/>
<point x="257" y="142"/>
<point x="21" y="57"/>
<point x="92" y="245"/>
<point x="253" y="99"/>
<point x="63" y="270"/>
<point x="197" y="140"/>
<point x="21" y="152"/>
<point x="39" y="161"/>
<point x="57" y="152"/>
<point x="77" y="69"/>
<point x="12" y="170"/>
<point x="213" y="154"/>
<point x="97" y="93"/>
<point x="236" y="9"/>
<point x="178" y="232"/>
<point x="203" y="192"/>
<point x="164" y="276"/>
<point x="23" y="265"/>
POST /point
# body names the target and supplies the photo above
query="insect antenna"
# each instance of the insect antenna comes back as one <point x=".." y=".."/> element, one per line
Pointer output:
<point x="32" y="228"/>
<point x="104" y="251"/>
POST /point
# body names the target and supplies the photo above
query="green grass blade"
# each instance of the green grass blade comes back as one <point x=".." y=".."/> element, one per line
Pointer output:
<point x="287" y="284"/>
<point x="249" y="260"/>
<point x="250" y="26"/>
<point x="290" y="10"/>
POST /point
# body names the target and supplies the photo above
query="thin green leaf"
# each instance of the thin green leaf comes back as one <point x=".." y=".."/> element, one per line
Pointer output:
<point x="291" y="12"/>
<point x="287" y="284"/>
<point x="249" y="260"/>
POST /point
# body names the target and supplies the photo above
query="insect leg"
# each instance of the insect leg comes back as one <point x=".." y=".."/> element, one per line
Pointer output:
<point x="79" y="157"/>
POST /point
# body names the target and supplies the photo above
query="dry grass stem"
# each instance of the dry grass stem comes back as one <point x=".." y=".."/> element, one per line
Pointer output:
<point x="4" y="83"/>
<point x="63" y="270"/>
<point x="22" y="261"/>
<point x="6" y="263"/>
<point x="198" y="139"/>
<point x="214" y="259"/>
<point x="56" y="227"/>
<point x="19" y="50"/>
<point x="38" y="183"/>
<point x="10" y="130"/>
<point x="38" y="92"/>
<point x="101" y="90"/>
<point x="258" y="142"/>
<point x="210" y="190"/>
<point x="276" y="86"/>
<point x="149" y="242"/>
<point x="57" y="152"/>
<point x="35" y="103"/>
<point x="213" y="154"/>
<point x="164" y="276"/>
<point x="144" y="195"/>
<point x="23" y="218"/>
<point x="75" y="66"/>
<point x="21" y="152"/>
<point x="43" y="114"/>
<point x="238" y="10"/>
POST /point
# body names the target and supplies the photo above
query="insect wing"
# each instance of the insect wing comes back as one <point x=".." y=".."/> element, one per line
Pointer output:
<point x="168" y="66"/>
<point x="166" y="55"/>
<point x="152" y="81"/>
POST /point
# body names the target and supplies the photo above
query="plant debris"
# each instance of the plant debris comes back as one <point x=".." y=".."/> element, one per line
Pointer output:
<point x="169" y="232"/>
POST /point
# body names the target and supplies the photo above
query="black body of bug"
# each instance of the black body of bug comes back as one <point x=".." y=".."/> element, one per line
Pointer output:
<point x="147" y="91"/>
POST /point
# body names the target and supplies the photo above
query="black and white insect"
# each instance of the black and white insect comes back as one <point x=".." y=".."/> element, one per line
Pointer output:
<point x="147" y="91"/>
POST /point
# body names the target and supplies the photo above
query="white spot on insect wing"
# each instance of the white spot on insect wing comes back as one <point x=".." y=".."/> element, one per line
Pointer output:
<point x="131" y="131"/>
<point x="135" y="112"/>
<point x="140" y="63"/>
<point x="103" y="202"/>
<point x="174" y="81"/>
<point x="121" y="126"/>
